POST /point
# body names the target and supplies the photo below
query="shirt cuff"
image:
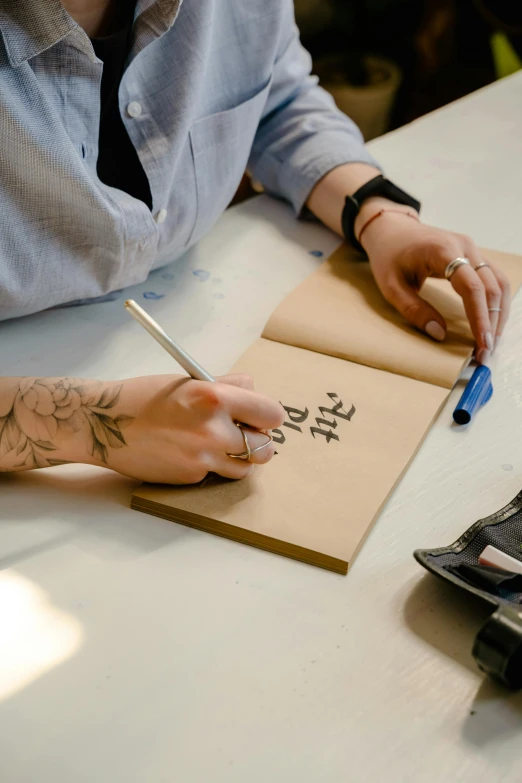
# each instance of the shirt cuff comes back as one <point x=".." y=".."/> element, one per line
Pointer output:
<point x="298" y="175"/>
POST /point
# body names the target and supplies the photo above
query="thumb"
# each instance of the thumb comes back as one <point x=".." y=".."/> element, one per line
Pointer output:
<point x="415" y="309"/>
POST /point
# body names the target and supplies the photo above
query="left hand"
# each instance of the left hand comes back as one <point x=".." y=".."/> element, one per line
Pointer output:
<point x="403" y="253"/>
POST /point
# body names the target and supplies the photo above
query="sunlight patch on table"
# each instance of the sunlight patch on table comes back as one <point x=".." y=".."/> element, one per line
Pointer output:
<point x="34" y="635"/>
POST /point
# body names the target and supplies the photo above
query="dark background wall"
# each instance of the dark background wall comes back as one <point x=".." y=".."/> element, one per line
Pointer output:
<point x="443" y="47"/>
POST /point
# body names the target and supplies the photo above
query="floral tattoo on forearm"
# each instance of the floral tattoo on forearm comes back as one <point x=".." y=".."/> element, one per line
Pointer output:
<point x="38" y="409"/>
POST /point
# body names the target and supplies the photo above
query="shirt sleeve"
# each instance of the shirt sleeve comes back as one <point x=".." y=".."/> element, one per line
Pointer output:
<point x="302" y="135"/>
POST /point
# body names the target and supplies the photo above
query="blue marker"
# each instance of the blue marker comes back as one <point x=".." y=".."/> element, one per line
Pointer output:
<point x="477" y="392"/>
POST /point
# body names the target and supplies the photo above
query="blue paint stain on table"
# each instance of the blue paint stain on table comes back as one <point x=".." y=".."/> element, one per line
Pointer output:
<point x="201" y="274"/>
<point x="167" y="276"/>
<point x="316" y="253"/>
<point x="152" y="295"/>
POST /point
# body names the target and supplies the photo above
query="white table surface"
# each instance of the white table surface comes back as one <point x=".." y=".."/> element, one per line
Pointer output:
<point x="134" y="650"/>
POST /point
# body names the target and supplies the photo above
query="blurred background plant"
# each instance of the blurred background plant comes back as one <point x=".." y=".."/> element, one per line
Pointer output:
<point x="389" y="61"/>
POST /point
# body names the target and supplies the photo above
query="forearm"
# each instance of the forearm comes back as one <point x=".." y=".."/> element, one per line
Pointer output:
<point x="161" y="428"/>
<point x="49" y="421"/>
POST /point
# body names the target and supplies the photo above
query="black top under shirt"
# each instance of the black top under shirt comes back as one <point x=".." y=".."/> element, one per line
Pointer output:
<point x="118" y="163"/>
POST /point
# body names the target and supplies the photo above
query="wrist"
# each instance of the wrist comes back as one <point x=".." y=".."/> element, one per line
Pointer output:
<point x="56" y="420"/>
<point x="372" y="206"/>
<point x="90" y="426"/>
<point x="378" y="192"/>
<point x="376" y="222"/>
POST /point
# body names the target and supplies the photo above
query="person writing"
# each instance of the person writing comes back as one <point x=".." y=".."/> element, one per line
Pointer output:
<point x="126" y="128"/>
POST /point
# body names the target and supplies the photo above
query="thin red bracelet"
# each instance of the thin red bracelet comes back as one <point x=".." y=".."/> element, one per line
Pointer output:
<point x="381" y="212"/>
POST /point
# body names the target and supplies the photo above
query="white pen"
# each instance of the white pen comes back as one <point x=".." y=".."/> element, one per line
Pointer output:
<point x="189" y="364"/>
<point x="194" y="369"/>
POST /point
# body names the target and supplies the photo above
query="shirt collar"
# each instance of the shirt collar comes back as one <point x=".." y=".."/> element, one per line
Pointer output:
<point x="159" y="15"/>
<point x="29" y="27"/>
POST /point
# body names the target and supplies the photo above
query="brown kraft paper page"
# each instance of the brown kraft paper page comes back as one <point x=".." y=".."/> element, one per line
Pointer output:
<point x="338" y="310"/>
<point x="350" y="433"/>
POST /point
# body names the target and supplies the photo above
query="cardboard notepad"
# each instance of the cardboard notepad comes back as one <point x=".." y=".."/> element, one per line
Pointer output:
<point x="361" y="388"/>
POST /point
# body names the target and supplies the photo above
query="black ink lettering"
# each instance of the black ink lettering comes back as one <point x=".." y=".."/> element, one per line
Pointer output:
<point x="328" y="434"/>
<point x="278" y="437"/>
<point x="320" y="422"/>
<point x="296" y="416"/>
<point x="337" y="410"/>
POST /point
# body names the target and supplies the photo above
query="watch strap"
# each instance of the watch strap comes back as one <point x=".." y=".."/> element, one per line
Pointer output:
<point x="377" y="186"/>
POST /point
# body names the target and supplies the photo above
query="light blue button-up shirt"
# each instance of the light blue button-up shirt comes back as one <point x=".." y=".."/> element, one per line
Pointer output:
<point x="212" y="88"/>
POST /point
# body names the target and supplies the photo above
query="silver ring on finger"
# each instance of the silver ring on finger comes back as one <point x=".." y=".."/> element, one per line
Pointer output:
<point x="244" y="454"/>
<point x="454" y="265"/>
<point x="494" y="309"/>
<point x="263" y="445"/>
<point x="248" y="453"/>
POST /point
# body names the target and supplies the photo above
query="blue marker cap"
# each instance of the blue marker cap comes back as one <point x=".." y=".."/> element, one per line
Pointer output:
<point x="477" y="392"/>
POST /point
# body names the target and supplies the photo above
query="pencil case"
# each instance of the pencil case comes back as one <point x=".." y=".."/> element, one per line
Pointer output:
<point x="498" y="645"/>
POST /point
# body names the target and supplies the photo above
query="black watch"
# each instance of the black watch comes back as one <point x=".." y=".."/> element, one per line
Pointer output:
<point x="378" y="186"/>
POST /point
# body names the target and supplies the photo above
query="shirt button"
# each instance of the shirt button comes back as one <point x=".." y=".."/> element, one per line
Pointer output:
<point x="161" y="216"/>
<point x="134" y="109"/>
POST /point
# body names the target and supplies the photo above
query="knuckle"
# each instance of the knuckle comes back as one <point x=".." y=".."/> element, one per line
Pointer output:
<point x="474" y="288"/>
<point x="390" y="283"/>
<point x="465" y="239"/>
<point x="504" y="284"/>
<point x="493" y="293"/>
<point x="391" y="290"/>
<point x="411" y="311"/>
<point x="207" y="396"/>
<point x="443" y="247"/>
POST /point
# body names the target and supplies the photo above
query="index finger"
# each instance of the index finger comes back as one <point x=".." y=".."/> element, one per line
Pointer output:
<point x="252" y="408"/>
<point x="469" y="286"/>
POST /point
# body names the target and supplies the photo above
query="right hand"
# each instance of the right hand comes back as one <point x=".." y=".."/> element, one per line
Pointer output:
<point x="183" y="429"/>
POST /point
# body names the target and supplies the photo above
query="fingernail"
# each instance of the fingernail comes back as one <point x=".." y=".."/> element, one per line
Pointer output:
<point x="435" y="330"/>
<point x="488" y="339"/>
<point x="483" y="357"/>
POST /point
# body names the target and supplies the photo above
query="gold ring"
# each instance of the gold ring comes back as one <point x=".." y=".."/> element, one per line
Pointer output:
<point x="481" y="266"/>
<point x="244" y="454"/>
<point x="248" y="453"/>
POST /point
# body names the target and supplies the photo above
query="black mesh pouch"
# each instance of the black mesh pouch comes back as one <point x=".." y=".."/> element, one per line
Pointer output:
<point x="498" y="645"/>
